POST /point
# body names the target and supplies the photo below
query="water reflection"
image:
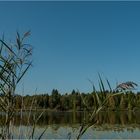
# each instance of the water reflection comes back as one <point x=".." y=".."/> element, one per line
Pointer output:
<point x="67" y="124"/>
<point x="49" y="118"/>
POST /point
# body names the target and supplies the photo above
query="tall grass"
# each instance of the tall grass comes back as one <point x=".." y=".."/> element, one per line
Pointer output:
<point x="15" y="61"/>
<point x="100" y="101"/>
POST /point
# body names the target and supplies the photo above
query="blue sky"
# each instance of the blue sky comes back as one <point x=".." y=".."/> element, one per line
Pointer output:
<point x="73" y="41"/>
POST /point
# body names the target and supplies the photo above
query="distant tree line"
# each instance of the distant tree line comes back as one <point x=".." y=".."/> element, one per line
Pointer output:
<point x="78" y="101"/>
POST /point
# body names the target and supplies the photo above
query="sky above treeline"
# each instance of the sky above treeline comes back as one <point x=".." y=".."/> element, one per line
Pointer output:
<point x="74" y="41"/>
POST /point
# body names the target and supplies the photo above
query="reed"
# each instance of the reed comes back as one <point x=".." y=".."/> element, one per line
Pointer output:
<point x="15" y="61"/>
<point x="101" y="98"/>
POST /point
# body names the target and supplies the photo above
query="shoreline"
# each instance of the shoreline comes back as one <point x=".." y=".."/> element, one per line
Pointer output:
<point x="54" y="110"/>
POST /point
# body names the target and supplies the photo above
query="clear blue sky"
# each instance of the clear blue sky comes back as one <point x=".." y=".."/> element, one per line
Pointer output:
<point x="74" y="41"/>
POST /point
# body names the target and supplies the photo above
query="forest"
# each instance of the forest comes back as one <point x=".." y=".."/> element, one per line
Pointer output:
<point x="76" y="101"/>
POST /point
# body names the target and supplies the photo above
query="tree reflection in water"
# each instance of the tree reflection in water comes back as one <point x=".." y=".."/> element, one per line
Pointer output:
<point x="65" y="124"/>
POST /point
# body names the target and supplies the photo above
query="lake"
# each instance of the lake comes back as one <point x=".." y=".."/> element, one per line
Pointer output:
<point x="66" y="125"/>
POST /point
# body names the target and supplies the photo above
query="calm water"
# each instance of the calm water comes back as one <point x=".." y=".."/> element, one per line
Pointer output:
<point x="64" y="125"/>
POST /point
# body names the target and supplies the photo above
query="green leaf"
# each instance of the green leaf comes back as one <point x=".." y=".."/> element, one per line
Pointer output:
<point x="101" y="83"/>
<point x="8" y="47"/>
<point x="109" y="85"/>
<point x="24" y="72"/>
